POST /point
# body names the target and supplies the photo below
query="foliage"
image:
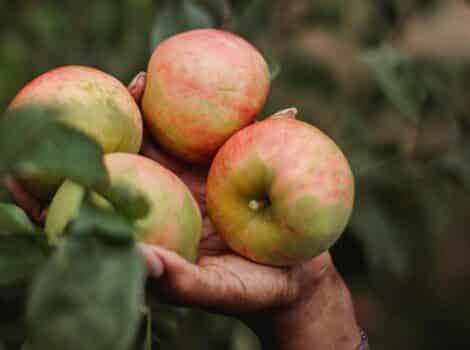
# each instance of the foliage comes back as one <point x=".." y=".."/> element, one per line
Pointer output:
<point x="88" y="296"/>
<point x="90" y="284"/>
<point x="50" y="147"/>
<point x="388" y="80"/>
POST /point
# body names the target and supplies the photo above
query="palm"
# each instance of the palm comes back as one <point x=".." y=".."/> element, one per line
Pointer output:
<point x="196" y="180"/>
<point x="238" y="284"/>
<point x="221" y="280"/>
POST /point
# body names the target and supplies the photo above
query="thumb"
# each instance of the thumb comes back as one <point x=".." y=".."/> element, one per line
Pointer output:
<point x="178" y="281"/>
<point x="137" y="86"/>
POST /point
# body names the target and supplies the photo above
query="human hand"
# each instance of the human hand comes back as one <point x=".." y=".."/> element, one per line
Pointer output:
<point x="303" y="307"/>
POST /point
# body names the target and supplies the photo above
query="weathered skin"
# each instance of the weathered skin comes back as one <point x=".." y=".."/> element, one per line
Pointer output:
<point x="280" y="192"/>
<point x="202" y="87"/>
<point x="174" y="220"/>
<point x="93" y="102"/>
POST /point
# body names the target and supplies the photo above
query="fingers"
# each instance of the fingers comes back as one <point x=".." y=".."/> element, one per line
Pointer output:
<point x="137" y="86"/>
<point x="211" y="243"/>
<point x="152" y="150"/>
<point x="152" y="261"/>
<point x="32" y="206"/>
<point x="181" y="282"/>
<point x="149" y="149"/>
<point x="196" y="180"/>
<point x="308" y="275"/>
<point x="319" y="265"/>
<point x="227" y="283"/>
<point x="208" y="228"/>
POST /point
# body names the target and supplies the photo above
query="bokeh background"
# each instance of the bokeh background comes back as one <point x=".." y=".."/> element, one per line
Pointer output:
<point x="388" y="80"/>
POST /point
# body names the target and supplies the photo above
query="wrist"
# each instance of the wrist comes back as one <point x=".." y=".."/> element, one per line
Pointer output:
<point x="322" y="319"/>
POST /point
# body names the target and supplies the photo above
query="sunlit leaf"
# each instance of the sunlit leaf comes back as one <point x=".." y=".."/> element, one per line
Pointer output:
<point x="33" y="141"/>
<point x="127" y="201"/>
<point x="102" y="222"/>
<point x="14" y="220"/>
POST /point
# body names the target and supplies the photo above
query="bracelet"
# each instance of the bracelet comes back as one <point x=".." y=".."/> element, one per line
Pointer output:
<point x="364" y="342"/>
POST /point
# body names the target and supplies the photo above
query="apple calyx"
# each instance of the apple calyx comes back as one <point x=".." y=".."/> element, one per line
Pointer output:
<point x="258" y="205"/>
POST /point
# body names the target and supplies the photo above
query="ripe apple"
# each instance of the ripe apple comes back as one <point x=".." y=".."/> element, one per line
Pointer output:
<point x="91" y="101"/>
<point x="174" y="220"/>
<point x="203" y="86"/>
<point x="280" y="192"/>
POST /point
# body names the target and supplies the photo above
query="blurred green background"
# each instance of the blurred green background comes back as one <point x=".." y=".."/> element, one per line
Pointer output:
<point x="388" y="80"/>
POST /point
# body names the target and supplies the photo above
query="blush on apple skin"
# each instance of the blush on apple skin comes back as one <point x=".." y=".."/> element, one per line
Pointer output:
<point x="74" y="88"/>
<point x="202" y="87"/>
<point x="174" y="220"/>
<point x="299" y="178"/>
<point x="91" y="101"/>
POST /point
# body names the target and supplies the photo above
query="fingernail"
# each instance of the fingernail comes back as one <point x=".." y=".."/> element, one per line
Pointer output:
<point x="137" y="80"/>
<point x="286" y="113"/>
<point x="152" y="261"/>
<point x="140" y="78"/>
<point x="156" y="267"/>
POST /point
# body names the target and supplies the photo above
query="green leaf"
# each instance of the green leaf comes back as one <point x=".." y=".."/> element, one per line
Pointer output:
<point x="50" y="147"/>
<point x="253" y="19"/>
<point x="167" y="320"/>
<point x="14" y="220"/>
<point x="395" y="232"/>
<point x="384" y="244"/>
<point x="240" y="5"/>
<point x="216" y="8"/>
<point x="148" y="330"/>
<point x="400" y="79"/>
<point x="457" y="164"/>
<point x="195" y="15"/>
<point x="18" y="138"/>
<point x="179" y="16"/>
<point x="20" y="257"/>
<point x="88" y="297"/>
<point x="274" y="66"/>
<point x="111" y="213"/>
<point x="4" y="193"/>
<point x="127" y="201"/>
<point x="103" y="222"/>
<point x="12" y="324"/>
<point x="26" y="346"/>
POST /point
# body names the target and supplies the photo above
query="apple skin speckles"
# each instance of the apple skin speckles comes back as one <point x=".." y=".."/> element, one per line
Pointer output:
<point x="305" y="177"/>
<point x="202" y="87"/>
